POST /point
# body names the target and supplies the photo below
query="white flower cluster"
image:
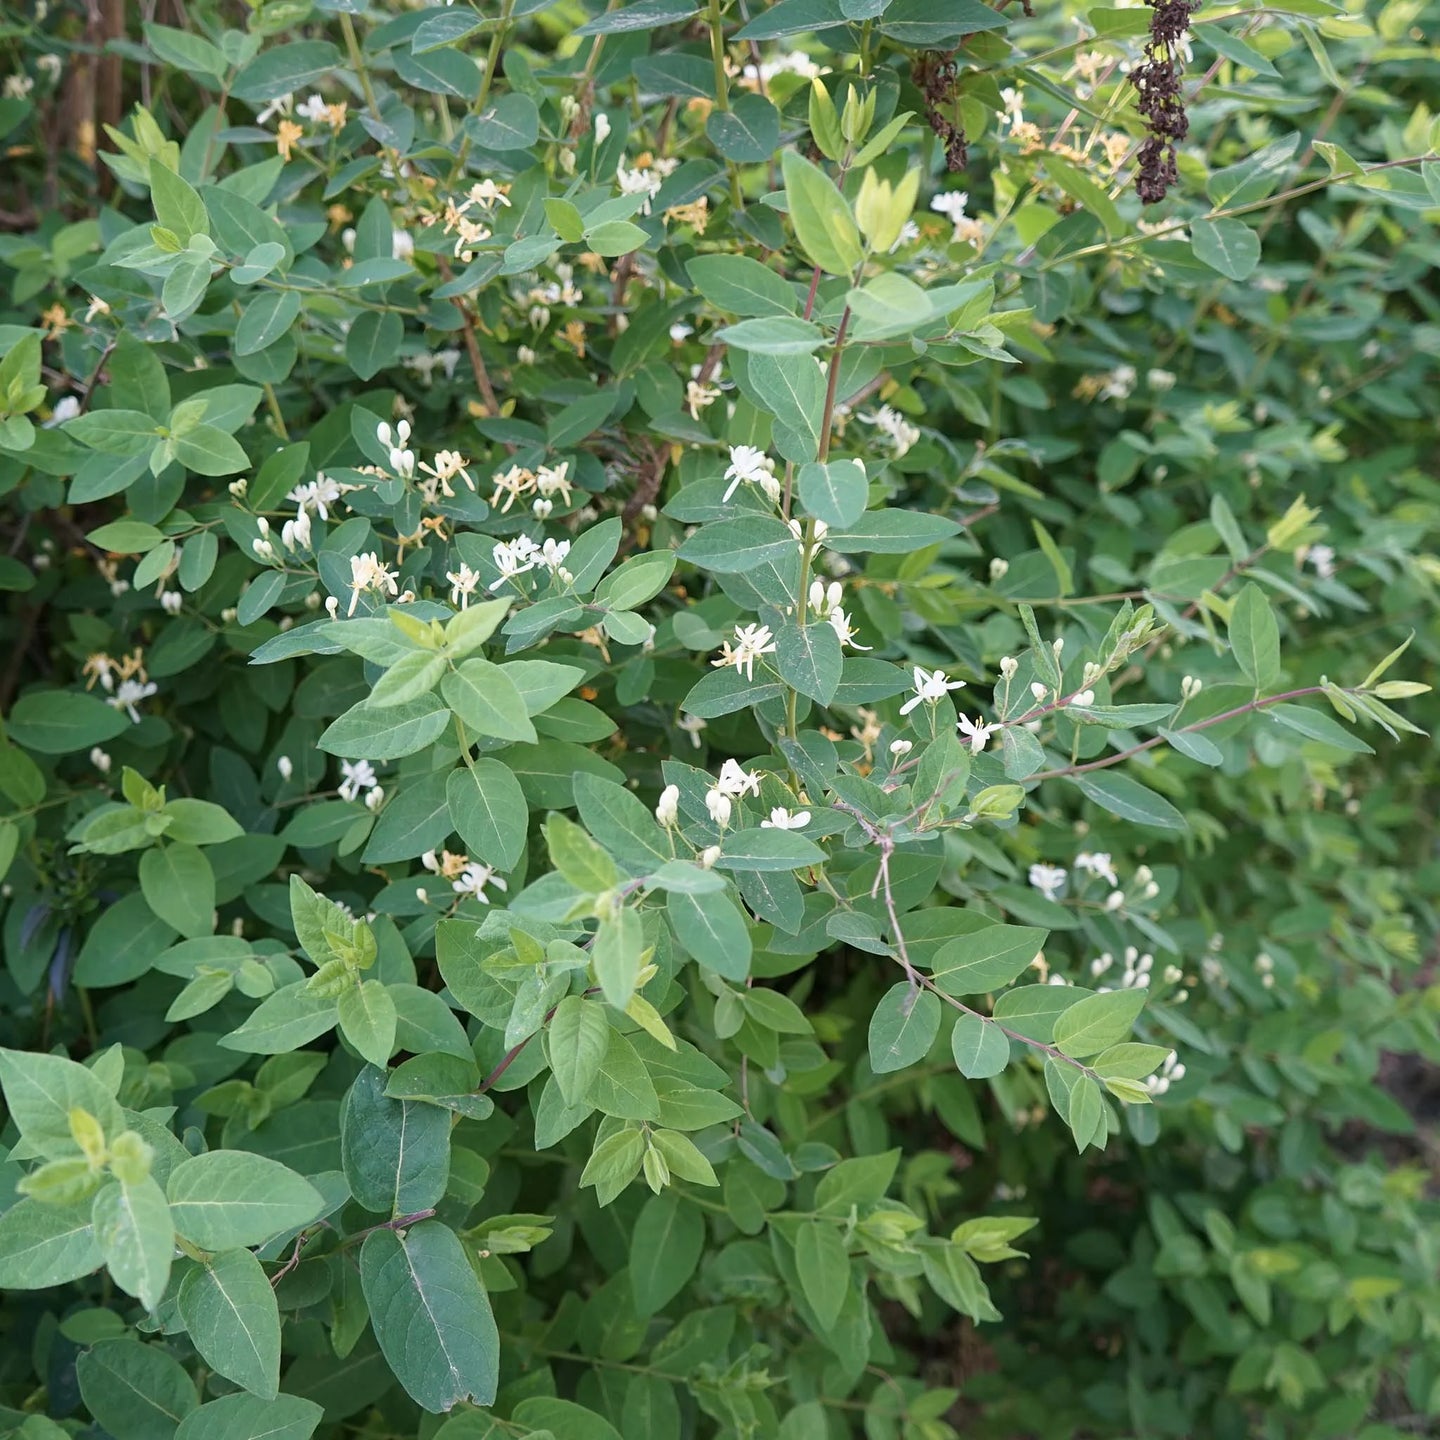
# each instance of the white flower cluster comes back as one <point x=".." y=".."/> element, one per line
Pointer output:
<point x="930" y="686"/>
<point x="358" y="782"/>
<point x="521" y="555"/>
<point x="1135" y="974"/>
<point x="751" y="466"/>
<point x="825" y="603"/>
<point x="733" y="782"/>
<point x="1170" y="1071"/>
<point x="895" y="427"/>
<point x="1049" y="880"/>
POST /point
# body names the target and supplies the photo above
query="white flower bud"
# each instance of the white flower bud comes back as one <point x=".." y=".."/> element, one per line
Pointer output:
<point x="717" y="802"/>
<point x="1039" y="691"/>
<point x="1008" y="666"/>
<point x="998" y="569"/>
<point x="709" y="856"/>
<point x="900" y="748"/>
<point x="100" y="760"/>
<point x="286" y="766"/>
<point x="667" y="811"/>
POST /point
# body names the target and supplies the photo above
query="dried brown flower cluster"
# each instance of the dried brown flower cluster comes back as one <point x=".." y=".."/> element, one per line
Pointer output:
<point x="1158" y="78"/>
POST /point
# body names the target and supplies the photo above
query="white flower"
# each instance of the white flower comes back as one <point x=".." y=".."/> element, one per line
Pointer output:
<point x="314" y="109"/>
<point x="1160" y="380"/>
<point x="1322" y="557"/>
<point x="900" y="432"/>
<point x="542" y="508"/>
<point x="1097" y="864"/>
<point x="100" y="760"/>
<point x="1119" y="383"/>
<point x="735" y="781"/>
<point x="473" y="880"/>
<point x="840" y="623"/>
<point x="128" y="695"/>
<point x="692" y="725"/>
<point x="295" y="534"/>
<point x="640" y="182"/>
<point x="930" y="686"/>
<point x="286" y="766"/>
<point x="951" y="203"/>
<point x="1008" y="666"/>
<point x="752" y="466"/>
<point x="355" y="776"/>
<point x="1049" y="880"/>
<point x="514" y="559"/>
<point x="680" y="331"/>
<point x="67" y="407"/>
<point x="1169" y="1072"/>
<point x="552" y="480"/>
<point x="1014" y="105"/>
<point x="998" y="569"/>
<point x="667" y="809"/>
<point x="602" y="127"/>
<point x="900" y="748"/>
<point x="448" y="464"/>
<point x="171" y="601"/>
<point x="319" y="494"/>
<point x="976" y="731"/>
<point x="369" y="572"/>
<point x="717" y="802"/>
<point x="375" y="798"/>
<point x="751" y="642"/>
<point x="782" y="819"/>
<point x="462" y="585"/>
<point x="552" y="555"/>
<point x="402" y="245"/>
<point x="1190" y="687"/>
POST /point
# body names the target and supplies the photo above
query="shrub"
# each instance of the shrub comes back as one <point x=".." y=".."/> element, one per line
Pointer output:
<point x="638" y="735"/>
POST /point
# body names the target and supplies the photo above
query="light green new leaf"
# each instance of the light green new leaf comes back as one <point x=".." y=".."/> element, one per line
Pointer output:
<point x="576" y="1041"/>
<point x="40" y="1092"/>
<point x="229" y="1309"/>
<point x="367" y="1020"/>
<point x="1098" y="1022"/>
<point x="1255" y="637"/>
<point x="824" y="1269"/>
<point x="136" y="1236"/>
<point x="431" y="1316"/>
<point x="821" y="215"/>
<point x="615" y="954"/>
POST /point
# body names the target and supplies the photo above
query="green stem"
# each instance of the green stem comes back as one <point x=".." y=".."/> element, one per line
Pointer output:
<point x="717" y="55"/>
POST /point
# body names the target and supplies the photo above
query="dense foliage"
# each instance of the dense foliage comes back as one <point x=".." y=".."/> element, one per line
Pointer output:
<point x="714" y="720"/>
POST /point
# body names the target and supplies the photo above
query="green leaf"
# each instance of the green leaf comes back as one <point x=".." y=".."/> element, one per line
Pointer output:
<point x="179" y="886"/>
<point x="748" y="132"/>
<point x="821" y="215"/>
<point x="712" y="930"/>
<point x="488" y="810"/>
<point x="1227" y="245"/>
<point x="823" y="1266"/>
<point x="620" y="822"/>
<point x="836" y="492"/>
<point x="639" y="579"/>
<point x="773" y="849"/>
<point x="923" y="25"/>
<point x="135" y="1235"/>
<point x="547" y="1417"/>
<point x="578" y="858"/>
<point x="125" y="433"/>
<point x="730" y="547"/>
<point x="665" y="1248"/>
<point x="388" y="734"/>
<point x="208" y="450"/>
<point x="1255" y="637"/>
<point x="615" y="237"/>
<point x="229" y="1198"/>
<point x="985" y="959"/>
<point x="792" y="389"/>
<point x="396" y="1153"/>
<point x="615" y="954"/>
<point x="41" y="1091"/>
<point x="576" y="1041"/>
<point x="903" y="1027"/>
<point x="266" y="317"/>
<point x="60" y="722"/>
<point x="136" y="1392"/>
<point x="891" y="532"/>
<point x="511" y="122"/>
<point x="742" y="286"/>
<point x="286" y="1020"/>
<point x="229" y="1309"/>
<point x="1087" y="1110"/>
<point x="1129" y="799"/>
<point x="177" y="207"/>
<point x="622" y="1086"/>
<point x="773" y="335"/>
<point x="43" y="1245"/>
<point x="247" y="1417"/>
<point x="416" y="820"/>
<point x="980" y="1047"/>
<point x="431" y="1316"/>
<point x="485" y="699"/>
<point x="809" y="659"/>
<point x="1098" y="1022"/>
<point x="373" y="342"/>
<point x="283" y="69"/>
<point x="367" y="1020"/>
